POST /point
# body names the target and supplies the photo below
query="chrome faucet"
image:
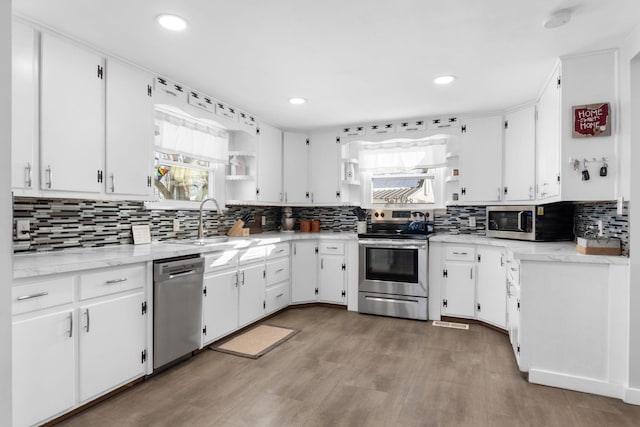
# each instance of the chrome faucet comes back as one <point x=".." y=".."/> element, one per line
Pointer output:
<point x="200" y="225"/>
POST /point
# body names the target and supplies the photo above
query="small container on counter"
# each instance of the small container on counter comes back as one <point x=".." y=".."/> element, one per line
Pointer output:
<point x="315" y="226"/>
<point x="305" y="225"/>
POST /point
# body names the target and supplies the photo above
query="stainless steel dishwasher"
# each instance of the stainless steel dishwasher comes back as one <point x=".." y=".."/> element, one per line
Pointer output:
<point x="177" y="308"/>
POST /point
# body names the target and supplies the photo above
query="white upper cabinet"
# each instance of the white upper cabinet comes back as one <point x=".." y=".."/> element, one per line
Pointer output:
<point x="548" y="139"/>
<point x="296" y="187"/>
<point x="324" y="168"/>
<point x="129" y="131"/>
<point x="24" y="131"/>
<point x="519" y="154"/>
<point x="269" y="164"/>
<point x="72" y="117"/>
<point x="481" y="159"/>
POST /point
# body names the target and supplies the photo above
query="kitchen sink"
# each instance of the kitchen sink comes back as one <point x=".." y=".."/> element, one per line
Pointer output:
<point x="199" y="242"/>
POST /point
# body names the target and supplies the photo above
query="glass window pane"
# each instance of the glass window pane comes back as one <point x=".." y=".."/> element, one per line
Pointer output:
<point x="181" y="182"/>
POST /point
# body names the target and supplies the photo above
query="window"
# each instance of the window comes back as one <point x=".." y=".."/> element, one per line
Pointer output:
<point x="403" y="171"/>
<point x="189" y="159"/>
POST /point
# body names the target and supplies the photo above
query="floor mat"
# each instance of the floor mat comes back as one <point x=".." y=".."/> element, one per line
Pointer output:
<point x="256" y="342"/>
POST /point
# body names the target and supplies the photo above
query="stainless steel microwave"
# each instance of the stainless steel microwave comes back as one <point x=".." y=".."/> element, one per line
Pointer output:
<point x="530" y="222"/>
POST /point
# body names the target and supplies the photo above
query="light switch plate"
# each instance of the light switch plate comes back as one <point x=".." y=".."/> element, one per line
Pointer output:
<point x="176" y="224"/>
<point x="620" y="206"/>
<point x="472" y="221"/>
<point x="23" y="228"/>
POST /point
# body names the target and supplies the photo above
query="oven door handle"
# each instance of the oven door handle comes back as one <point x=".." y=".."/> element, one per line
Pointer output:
<point x="386" y="244"/>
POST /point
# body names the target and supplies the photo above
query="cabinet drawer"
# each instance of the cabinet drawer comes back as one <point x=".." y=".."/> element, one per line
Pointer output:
<point x="460" y="253"/>
<point x="251" y="255"/>
<point x="220" y="260"/>
<point x="111" y="281"/>
<point x="277" y="297"/>
<point x="331" y="248"/>
<point x="277" y="250"/>
<point x="277" y="271"/>
<point x="44" y="294"/>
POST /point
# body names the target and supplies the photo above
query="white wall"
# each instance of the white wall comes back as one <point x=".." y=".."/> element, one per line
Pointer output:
<point x="5" y="213"/>
<point x="630" y="152"/>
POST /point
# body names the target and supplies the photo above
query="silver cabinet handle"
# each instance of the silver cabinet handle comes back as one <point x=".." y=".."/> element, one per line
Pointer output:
<point x="279" y="251"/>
<point x="471" y="273"/>
<point x="242" y="278"/>
<point x="279" y="270"/>
<point x="501" y="260"/>
<point x="312" y="197"/>
<point x="321" y="263"/>
<point x="235" y="282"/>
<point x="531" y="192"/>
<point x="70" y="325"/>
<point x="48" y="177"/>
<point x="27" y="178"/>
<point x="279" y="295"/>
<point x="86" y="312"/>
<point x="499" y="193"/>
<point x="113" y="281"/>
<point x="39" y="294"/>
<point x="186" y="273"/>
<point x="460" y="253"/>
<point x="332" y="247"/>
<point x="294" y="249"/>
<point x="113" y="183"/>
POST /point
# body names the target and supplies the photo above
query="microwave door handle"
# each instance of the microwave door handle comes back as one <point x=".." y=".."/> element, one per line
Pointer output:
<point x="520" y="220"/>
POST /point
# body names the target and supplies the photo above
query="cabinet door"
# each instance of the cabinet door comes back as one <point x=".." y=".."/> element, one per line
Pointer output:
<point x="459" y="292"/>
<point x="251" y="300"/>
<point x="492" y="286"/>
<point x="71" y="117"/>
<point x="519" y="154"/>
<point x="220" y="305"/>
<point x="513" y="318"/>
<point x="24" y="85"/>
<point x="481" y="160"/>
<point x="270" y="164"/>
<point x="130" y="130"/>
<point x="111" y="344"/>
<point x="548" y="140"/>
<point x="324" y="168"/>
<point x="331" y="279"/>
<point x="296" y="188"/>
<point x="304" y="281"/>
<point x="43" y="367"/>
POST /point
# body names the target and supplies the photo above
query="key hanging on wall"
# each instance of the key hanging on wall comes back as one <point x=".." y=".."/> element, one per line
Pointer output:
<point x="603" y="169"/>
<point x="585" y="171"/>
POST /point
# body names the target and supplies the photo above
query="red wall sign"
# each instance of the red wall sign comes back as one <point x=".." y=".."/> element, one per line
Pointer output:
<point x="591" y="120"/>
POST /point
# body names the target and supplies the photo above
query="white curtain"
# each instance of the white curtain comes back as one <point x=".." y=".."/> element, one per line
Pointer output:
<point x="180" y="135"/>
<point x="404" y="154"/>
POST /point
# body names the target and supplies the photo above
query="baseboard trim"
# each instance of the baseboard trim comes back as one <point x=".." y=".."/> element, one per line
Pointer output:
<point x="632" y="396"/>
<point x="576" y="383"/>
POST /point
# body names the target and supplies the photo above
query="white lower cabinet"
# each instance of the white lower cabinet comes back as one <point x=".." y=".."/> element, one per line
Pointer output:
<point x="251" y="294"/>
<point x="278" y="268"/>
<point x="332" y="272"/>
<point x="111" y="346"/>
<point x="318" y="272"/>
<point x="44" y="374"/>
<point x="459" y="293"/>
<point x="67" y="351"/>
<point x="492" y="286"/>
<point x="220" y="307"/>
<point x="304" y="280"/>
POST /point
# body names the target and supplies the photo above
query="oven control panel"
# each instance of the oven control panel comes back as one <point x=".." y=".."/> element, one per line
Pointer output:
<point x="398" y="216"/>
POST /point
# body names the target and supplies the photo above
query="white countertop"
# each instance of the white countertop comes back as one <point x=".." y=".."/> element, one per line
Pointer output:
<point x="41" y="263"/>
<point x="532" y="251"/>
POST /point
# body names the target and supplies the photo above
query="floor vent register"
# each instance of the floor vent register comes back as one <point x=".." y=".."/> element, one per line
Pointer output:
<point x="450" y="325"/>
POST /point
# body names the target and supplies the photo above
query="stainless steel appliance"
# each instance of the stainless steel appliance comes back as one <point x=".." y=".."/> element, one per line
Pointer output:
<point x="537" y="223"/>
<point x="177" y="308"/>
<point x="393" y="265"/>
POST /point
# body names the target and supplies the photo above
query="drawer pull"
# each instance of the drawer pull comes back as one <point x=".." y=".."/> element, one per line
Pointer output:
<point x="279" y="295"/>
<point x="39" y="294"/>
<point x="513" y="269"/>
<point x="460" y="253"/>
<point x="111" y="282"/>
<point x="70" y="325"/>
<point x="280" y="251"/>
<point x="279" y="270"/>
<point x="332" y="247"/>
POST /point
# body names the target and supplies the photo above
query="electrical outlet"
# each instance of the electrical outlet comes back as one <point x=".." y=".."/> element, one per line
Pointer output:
<point x="620" y="206"/>
<point x="264" y="220"/>
<point x="472" y="221"/>
<point x="176" y="225"/>
<point x="23" y="227"/>
<point x="600" y="228"/>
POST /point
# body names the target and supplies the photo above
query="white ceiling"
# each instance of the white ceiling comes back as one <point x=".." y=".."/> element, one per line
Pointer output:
<point x="355" y="61"/>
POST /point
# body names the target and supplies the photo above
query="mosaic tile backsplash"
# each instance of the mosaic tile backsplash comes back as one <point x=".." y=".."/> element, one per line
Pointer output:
<point x="60" y="224"/>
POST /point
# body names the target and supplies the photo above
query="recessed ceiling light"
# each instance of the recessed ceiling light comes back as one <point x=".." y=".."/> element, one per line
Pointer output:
<point x="444" y="80"/>
<point x="171" y="22"/>
<point x="557" y="18"/>
<point x="297" y="101"/>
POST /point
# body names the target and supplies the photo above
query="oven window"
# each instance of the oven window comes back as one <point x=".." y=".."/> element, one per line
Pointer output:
<point x="392" y="265"/>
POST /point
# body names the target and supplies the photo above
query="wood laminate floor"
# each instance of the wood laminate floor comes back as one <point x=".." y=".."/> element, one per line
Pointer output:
<point x="348" y="369"/>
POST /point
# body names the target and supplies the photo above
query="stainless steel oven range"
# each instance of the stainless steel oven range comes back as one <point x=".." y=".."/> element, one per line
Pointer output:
<point x="393" y="265"/>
